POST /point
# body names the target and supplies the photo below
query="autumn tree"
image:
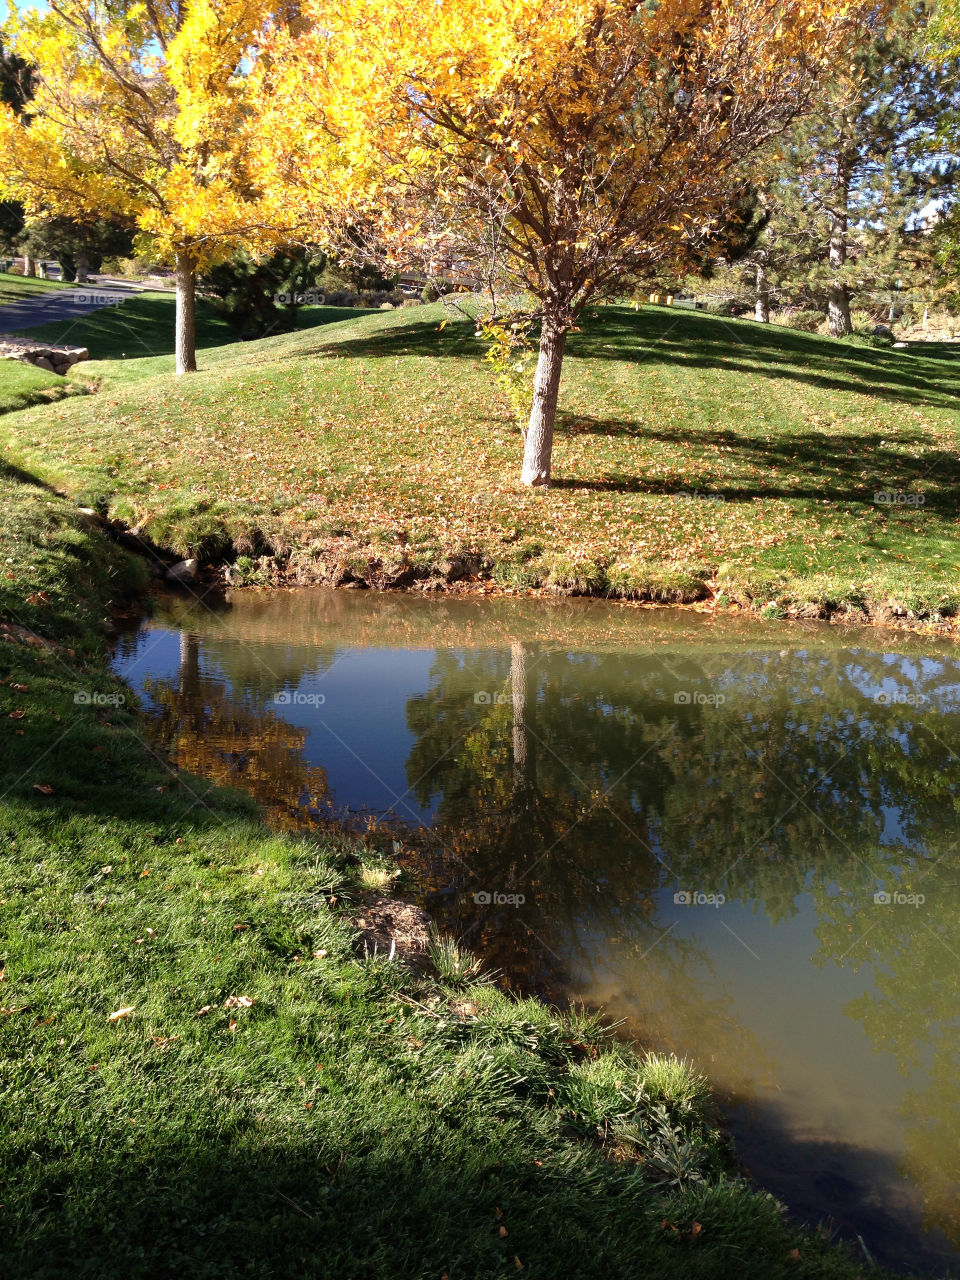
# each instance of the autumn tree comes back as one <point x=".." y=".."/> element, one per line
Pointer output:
<point x="137" y="117"/>
<point x="555" y="149"/>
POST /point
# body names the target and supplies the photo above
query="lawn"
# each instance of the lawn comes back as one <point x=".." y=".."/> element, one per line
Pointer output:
<point x="695" y="456"/>
<point x="22" y="385"/>
<point x="201" y="1073"/>
<point x="16" y="288"/>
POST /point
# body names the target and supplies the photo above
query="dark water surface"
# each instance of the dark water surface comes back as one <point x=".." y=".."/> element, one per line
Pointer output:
<point x="742" y="837"/>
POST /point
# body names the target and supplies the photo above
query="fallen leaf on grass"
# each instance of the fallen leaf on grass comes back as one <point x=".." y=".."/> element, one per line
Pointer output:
<point x="204" y="1011"/>
<point x="695" y="1230"/>
<point x="17" y="715"/>
<point x="44" y="788"/>
<point x="121" y="1013"/>
<point x="239" y="1002"/>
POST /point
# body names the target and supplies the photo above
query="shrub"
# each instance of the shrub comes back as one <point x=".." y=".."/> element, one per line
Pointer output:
<point x="809" y="319"/>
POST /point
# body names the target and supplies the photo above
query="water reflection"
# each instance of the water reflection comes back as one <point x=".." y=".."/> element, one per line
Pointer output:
<point x="741" y="838"/>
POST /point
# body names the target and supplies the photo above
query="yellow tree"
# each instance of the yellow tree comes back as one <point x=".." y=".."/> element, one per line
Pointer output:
<point x="555" y="148"/>
<point x="140" y="114"/>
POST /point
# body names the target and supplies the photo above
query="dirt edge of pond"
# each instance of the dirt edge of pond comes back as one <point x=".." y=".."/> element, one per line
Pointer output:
<point x="344" y="563"/>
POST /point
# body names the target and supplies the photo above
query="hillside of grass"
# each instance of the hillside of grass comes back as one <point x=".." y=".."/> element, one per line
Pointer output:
<point x="695" y="457"/>
<point x="16" y="288"/>
<point x="203" y="1074"/>
<point x="22" y="385"/>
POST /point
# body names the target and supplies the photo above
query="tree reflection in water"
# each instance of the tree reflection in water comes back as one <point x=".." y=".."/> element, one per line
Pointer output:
<point x="597" y="780"/>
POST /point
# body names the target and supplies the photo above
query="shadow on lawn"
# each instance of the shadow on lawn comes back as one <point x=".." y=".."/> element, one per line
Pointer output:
<point x="694" y="340"/>
<point x="850" y="467"/>
<point x="345" y="1197"/>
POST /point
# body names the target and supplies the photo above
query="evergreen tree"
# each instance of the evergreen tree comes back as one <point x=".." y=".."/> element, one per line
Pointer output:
<point x="858" y="170"/>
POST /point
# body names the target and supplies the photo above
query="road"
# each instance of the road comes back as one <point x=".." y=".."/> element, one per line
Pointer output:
<point x="62" y="306"/>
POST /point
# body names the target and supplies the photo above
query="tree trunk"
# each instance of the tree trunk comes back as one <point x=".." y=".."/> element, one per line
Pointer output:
<point x="518" y="692"/>
<point x="29" y="267"/>
<point x="838" y="301"/>
<point x="83" y="268"/>
<point x="538" y="448"/>
<point x="186" y="336"/>
<point x="761" y="310"/>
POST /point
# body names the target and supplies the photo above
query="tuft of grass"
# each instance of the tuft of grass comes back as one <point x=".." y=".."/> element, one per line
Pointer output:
<point x="456" y="967"/>
<point x="377" y="878"/>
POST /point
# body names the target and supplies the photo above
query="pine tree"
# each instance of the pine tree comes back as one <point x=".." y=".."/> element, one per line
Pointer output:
<point x="858" y="170"/>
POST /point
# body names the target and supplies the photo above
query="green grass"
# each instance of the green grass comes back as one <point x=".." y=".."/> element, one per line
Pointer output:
<point x="22" y="385"/>
<point x="134" y="340"/>
<point x="694" y="455"/>
<point x="201" y="1076"/>
<point x="16" y="288"/>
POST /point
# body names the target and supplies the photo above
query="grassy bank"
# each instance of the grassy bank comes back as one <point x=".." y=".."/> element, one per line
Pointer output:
<point x="17" y="288"/>
<point x="200" y="1072"/>
<point x="695" y="457"/>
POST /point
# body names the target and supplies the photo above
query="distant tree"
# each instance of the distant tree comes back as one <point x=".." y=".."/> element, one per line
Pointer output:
<point x="138" y="116"/>
<point x="260" y="295"/>
<point x="857" y="171"/>
<point x="79" y="247"/>
<point x="16" y="80"/>
<point x="552" y="149"/>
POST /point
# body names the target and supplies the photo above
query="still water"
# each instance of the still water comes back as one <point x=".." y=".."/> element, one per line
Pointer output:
<point x="741" y="837"/>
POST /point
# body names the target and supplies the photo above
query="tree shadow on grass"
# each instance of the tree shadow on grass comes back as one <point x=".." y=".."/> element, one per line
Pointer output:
<point x="693" y="340"/>
<point x="359" y="1193"/>
<point x="415" y="337"/>
<point x="697" y="341"/>
<point x="842" y="467"/>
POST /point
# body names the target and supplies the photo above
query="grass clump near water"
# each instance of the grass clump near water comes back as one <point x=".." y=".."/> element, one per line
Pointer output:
<point x="695" y="457"/>
<point x="202" y="1073"/>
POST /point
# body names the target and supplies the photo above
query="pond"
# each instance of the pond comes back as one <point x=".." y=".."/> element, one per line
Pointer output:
<point x="740" y="837"/>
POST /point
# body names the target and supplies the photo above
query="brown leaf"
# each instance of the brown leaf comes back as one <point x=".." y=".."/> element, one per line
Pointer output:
<point x="503" y="1232"/>
<point x="202" y="1013"/>
<point x="695" y="1230"/>
<point x="239" y="1002"/>
<point x="17" y="715"/>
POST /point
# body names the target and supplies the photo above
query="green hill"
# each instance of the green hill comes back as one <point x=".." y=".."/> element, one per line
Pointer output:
<point x="695" y="456"/>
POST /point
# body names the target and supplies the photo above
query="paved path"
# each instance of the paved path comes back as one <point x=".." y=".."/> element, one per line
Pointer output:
<point x="62" y="306"/>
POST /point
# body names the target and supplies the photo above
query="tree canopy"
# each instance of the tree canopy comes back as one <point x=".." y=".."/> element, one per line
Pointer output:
<point x="557" y="150"/>
<point x="138" y="116"/>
